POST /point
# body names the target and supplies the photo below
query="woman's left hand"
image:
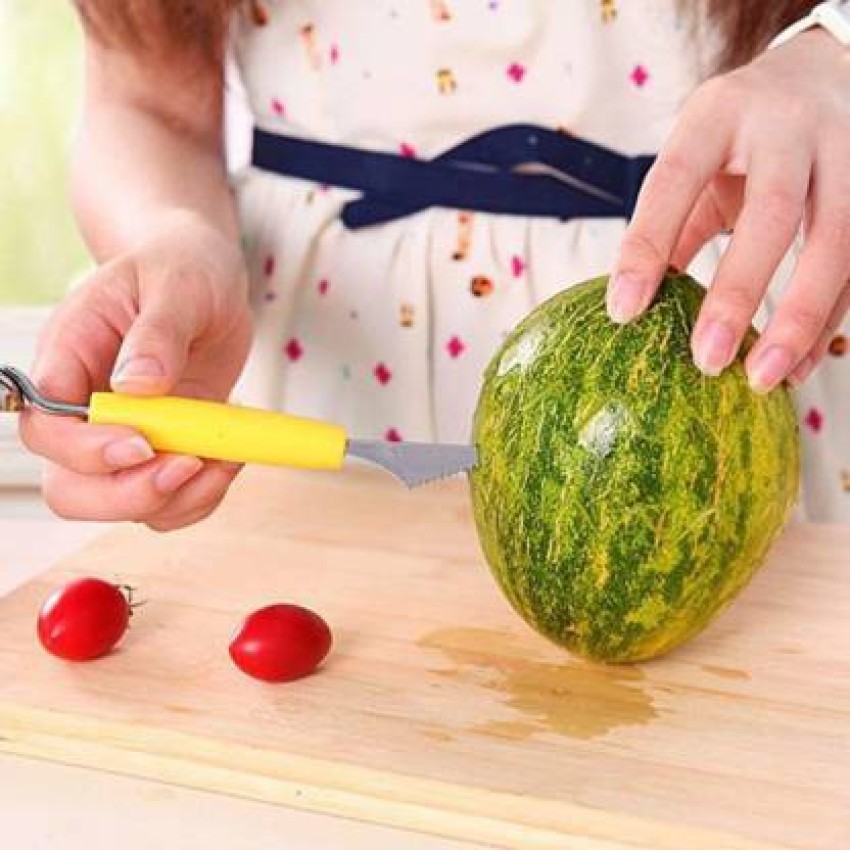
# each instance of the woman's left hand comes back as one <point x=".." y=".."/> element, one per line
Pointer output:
<point x="759" y="151"/>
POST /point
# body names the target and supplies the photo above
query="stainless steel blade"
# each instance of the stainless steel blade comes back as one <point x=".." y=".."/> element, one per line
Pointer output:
<point x="415" y="463"/>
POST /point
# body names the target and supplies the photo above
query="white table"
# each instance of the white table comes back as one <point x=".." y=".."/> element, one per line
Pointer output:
<point x="47" y="806"/>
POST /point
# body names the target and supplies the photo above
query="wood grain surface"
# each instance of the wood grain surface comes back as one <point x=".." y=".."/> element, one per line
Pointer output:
<point x="438" y="710"/>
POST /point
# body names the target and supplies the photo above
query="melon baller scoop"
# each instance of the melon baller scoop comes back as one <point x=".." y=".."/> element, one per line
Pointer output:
<point x="220" y="431"/>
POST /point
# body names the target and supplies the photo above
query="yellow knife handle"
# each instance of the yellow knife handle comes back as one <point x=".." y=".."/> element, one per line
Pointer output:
<point x="210" y="429"/>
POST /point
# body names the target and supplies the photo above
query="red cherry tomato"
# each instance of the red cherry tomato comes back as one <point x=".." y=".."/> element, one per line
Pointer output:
<point x="280" y="643"/>
<point x="83" y="620"/>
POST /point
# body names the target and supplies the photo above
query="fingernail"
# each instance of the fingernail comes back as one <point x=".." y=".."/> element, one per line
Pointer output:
<point x="137" y="368"/>
<point x="176" y="472"/>
<point x="802" y="372"/>
<point x="715" y="348"/>
<point x="625" y="298"/>
<point x="769" y="368"/>
<point x="126" y="453"/>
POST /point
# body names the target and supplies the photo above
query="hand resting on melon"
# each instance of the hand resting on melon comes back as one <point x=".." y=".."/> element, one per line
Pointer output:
<point x="759" y="151"/>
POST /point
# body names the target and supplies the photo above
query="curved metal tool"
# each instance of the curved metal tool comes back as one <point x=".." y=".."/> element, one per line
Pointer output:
<point x="211" y="429"/>
<point x="19" y="390"/>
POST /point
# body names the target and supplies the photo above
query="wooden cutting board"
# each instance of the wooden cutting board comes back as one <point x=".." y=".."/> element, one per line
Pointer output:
<point x="439" y="710"/>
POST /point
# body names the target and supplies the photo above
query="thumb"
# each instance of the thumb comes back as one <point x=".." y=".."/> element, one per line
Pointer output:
<point x="155" y="350"/>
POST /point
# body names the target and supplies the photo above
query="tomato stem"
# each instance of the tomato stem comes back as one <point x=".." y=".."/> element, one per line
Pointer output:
<point x="128" y="590"/>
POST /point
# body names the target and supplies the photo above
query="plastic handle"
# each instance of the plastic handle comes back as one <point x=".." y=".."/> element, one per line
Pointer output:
<point x="210" y="429"/>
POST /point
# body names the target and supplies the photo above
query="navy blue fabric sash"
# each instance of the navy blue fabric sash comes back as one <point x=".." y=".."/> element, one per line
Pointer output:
<point x="520" y="169"/>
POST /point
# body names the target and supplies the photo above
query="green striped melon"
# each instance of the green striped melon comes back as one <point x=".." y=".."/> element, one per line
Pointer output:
<point x="621" y="497"/>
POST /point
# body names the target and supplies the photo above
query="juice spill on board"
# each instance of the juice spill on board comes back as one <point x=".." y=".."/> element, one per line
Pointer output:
<point x="574" y="698"/>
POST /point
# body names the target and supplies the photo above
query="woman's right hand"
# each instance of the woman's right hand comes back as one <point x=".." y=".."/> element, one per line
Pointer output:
<point x="169" y="317"/>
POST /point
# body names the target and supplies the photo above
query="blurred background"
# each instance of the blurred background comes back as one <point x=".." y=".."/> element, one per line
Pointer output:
<point x="40" y="251"/>
<point x="40" y="82"/>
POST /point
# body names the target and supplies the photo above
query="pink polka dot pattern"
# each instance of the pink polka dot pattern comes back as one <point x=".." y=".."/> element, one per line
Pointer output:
<point x="293" y="350"/>
<point x="516" y="72"/>
<point x="455" y="347"/>
<point x="639" y="76"/>
<point x="382" y="373"/>
<point x="814" y="420"/>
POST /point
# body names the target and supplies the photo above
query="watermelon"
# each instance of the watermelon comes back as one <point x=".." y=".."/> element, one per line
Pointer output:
<point x="622" y="498"/>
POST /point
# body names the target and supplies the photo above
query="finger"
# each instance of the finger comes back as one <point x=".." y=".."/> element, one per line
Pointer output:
<point x="155" y="350"/>
<point x="703" y="224"/>
<point x="77" y="349"/>
<point x="175" y="523"/>
<point x="777" y="184"/>
<point x="132" y="494"/>
<point x="81" y="447"/>
<point x="198" y="498"/>
<point x="815" y="289"/>
<point x="62" y="374"/>
<point x="810" y="362"/>
<point x="694" y="153"/>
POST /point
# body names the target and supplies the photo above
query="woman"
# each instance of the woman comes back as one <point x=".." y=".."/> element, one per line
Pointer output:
<point x="381" y="311"/>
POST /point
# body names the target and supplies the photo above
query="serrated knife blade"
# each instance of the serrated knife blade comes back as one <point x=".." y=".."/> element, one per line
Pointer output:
<point x="415" y="463"/>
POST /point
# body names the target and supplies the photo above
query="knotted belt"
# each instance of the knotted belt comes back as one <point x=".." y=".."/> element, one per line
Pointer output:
<point x="519" y="169"/>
